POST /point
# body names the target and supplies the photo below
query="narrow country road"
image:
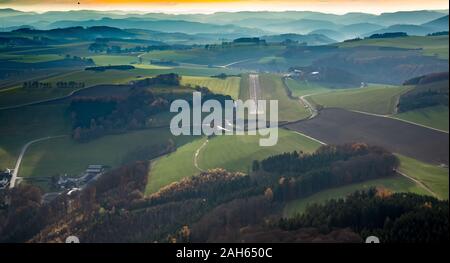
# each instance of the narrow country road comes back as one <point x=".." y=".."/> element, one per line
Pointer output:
<point x="22" y="153"/>
<point x="312" y="110"/>
<point x="197" y="153"/>
<point x="419" y="183"/>
<point x="234" y="63"/>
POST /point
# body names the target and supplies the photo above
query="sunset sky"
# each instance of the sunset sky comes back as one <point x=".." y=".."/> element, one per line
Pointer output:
<point x="209" y="6"/>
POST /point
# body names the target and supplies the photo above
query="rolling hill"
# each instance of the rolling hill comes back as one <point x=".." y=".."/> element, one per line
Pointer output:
<point x="412" y="30"/>
<point x="440" y="24"/>
<point x="171" y="26"/>
<point x="310" y="39"/>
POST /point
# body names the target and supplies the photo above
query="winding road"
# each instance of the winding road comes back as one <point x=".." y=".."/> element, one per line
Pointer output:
<point x="312" y="110"/>
<point x="197" y="153"/>
<point x="15" y="173"/>
<point x="419" y="183"/>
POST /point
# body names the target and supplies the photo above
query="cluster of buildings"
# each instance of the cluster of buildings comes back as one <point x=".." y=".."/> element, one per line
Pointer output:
<point x="91" y="173"/>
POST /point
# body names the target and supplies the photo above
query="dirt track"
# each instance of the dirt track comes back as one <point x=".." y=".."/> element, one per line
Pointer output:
<point x="336" y="126"/>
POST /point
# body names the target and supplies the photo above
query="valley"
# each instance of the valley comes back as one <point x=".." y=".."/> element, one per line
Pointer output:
<point x="361" y="107"/>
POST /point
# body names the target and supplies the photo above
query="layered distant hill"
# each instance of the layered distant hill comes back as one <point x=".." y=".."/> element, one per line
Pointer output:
<point x="225" y="25"/>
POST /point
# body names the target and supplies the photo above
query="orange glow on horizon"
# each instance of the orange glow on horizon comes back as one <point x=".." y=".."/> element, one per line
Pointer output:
<point x="210" y="6"/>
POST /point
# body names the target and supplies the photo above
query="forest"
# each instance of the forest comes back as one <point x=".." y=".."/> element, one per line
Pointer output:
<point x="393" y="217"/>
<point x="429" y="90"/>
<point x="217" y="205"/>
<point x="94" y="117"/>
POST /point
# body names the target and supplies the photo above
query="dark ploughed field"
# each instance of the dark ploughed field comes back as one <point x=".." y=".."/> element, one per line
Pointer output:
<point x="336" y="126"/>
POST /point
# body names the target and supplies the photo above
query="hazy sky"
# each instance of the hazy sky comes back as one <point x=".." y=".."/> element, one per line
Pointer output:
<point x="209" y="6"/>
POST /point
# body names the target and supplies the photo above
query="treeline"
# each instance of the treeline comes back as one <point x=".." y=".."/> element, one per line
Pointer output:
<point x="103" y="47"/>
<point x="426" y="79"/>
<point x="49" y="85"/>
<point x="224" y="76"/>
<point x="441" y="33"/>
<point x="388" y="35"/>
<point x="399" y="217"/>
<point x="430" y="90"/>
<point x="300" y="175"/>
<point x="168" y="63"/>
<point x="170" y="79"/>
<point x="115" y="67"/>
<point x="214" y="187"/>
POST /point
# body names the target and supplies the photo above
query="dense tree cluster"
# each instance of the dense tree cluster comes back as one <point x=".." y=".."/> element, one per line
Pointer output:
<point x="20" y="207"/>
<point x="430" y="90"/>
<point x="426" y="79"/>
<point x="163" y="62"/>
<point x="93" y="117"/>
<point x="399" y="217"/>
<point x="214" y="186"/>
<point x="49" y="85"/>
<point x="300" y="175"/>
<point x="441" y="33"/>
<point x="115" y="67"/>
<point x="388" y="35"/>
<point x="170" y="79"/>
<point x="224" y="76"/>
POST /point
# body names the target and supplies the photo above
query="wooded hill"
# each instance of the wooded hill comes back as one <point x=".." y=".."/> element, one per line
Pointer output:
<point x="217" y="205"/>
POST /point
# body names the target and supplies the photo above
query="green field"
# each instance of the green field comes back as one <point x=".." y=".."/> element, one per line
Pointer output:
<point x="80" y="49"/>
<point x="378" y="99"/>
<point x="19" y="95"/>
<point x="434" y="177"/>
<point x="31" y="58"/>
<point x="431" y="46"/>
<point x="29" y="123"/>
<point x="234" y="153"/>
<point x="16" y="95"/>
<point x="173" y="167"/>
<point x="63" y="155"/>
<point x="272" y="60"/>
<point x="228" y="86"/>
<point x="273" y="88"/>
<point x="173" y="55"/>
<point x="217" y="56"/>
<point x="301" y="88"/>
<point x="394" y="184"/>
<point x="106" y="60"/>
<point x="435" y="117"/>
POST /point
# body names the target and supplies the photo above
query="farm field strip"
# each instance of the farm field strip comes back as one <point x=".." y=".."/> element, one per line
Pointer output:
<point x="431" y="46"/>
<point x="381" y="100"/>
<point x="436" y="117"/>
<point x="229" y="86"/>
<point x="337" y="126"/>
<point x="394" y="117"/>
<point x="433" y="177"/>
<point x="273" y="88"/>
